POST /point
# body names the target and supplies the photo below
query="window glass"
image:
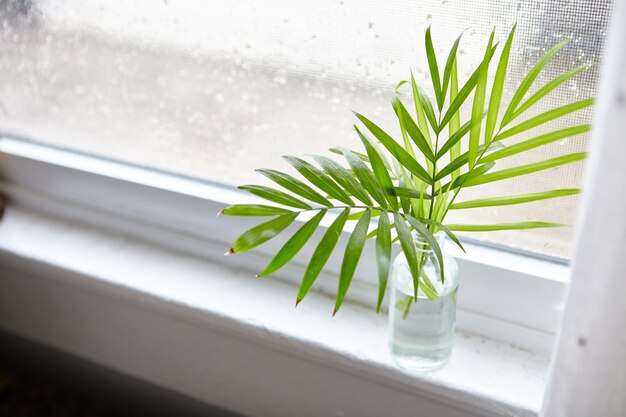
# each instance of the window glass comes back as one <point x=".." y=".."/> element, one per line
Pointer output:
<point x="213" y="89"/>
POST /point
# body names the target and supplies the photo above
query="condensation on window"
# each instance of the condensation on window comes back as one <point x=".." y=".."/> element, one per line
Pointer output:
<point x="213" y="89"/>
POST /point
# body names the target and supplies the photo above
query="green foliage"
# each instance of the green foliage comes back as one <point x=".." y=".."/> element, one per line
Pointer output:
<point x="409" y="185"/>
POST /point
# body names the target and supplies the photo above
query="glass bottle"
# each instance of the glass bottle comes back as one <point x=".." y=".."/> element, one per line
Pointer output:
<point x="421" y="333"/>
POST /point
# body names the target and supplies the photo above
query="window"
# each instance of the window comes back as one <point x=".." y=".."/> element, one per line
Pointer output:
<point x="211" y="89"/>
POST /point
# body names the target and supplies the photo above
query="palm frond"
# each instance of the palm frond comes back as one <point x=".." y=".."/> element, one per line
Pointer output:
<point x="408" y="186"/>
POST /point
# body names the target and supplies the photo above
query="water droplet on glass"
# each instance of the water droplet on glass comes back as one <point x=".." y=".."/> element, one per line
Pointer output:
<point x="280" y="80"/>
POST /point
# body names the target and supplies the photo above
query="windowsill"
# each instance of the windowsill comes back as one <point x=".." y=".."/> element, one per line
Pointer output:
<point x="176" y="213"/>
<point x="199" y="328"/>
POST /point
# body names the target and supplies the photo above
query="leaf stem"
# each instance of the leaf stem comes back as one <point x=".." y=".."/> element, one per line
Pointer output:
<point x="460" y="187"/>
<point x="345" y="207"/>
<point x="434" y="175"/>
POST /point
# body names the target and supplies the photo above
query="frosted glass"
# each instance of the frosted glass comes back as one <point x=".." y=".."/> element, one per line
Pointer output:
<point x="213" y="89"/>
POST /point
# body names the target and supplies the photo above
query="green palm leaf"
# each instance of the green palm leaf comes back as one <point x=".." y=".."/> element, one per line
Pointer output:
<point x="445" y="229"/>
<point x="439" y="208"/>
<point x="295" y="186"/>
<point x="428" y="109"/>
<point x="351" y="258"/>
<point x="450" y="64"/>
<point x="411" y="128"/>
<point x="383" y="256"/>
<point x="380" y="171"/>
<point x="544" y="91"/>
<point x="339" y="151"/>
<point x="536" y="142"/>
<point x="262" y="233"/>
<point x="419" y="110"/>
<point x="462" y="160"/>
<point x="461" y="180"/>
<point x="516" y="199"/>
<point x="529" y="79"/>
<point x="498" y="88"/>
<point x="545" y="117"/>
<point x="408" y="247"/>
<point x="465" y="91"/>
<point x="319" y="179"/>
<point x="274" y="196"/>
<point x="253" y="210"/>
<point x="454" y="139"/>
<point x="322" y="252"/>
<point x="366" y="177"/>
<point x="524" y="169"/>
<point x="404" y="183"/>
<point x="501" y="226"/>
<point x="455" y="122"/>
<point x="432" y="242"/>
<point x="434" y="68"/>
<point x="453" y="166"/>
<point x="344" y="178"/>
<point x="411" y="193"/>
<point x="396" y="150"/>
<point x="478" y="107"/>
<point x="293" y="245"/>
<point x="358" y="214"/>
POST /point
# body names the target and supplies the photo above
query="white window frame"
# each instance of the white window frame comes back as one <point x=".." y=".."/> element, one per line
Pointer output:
<point x="506" y="296"/>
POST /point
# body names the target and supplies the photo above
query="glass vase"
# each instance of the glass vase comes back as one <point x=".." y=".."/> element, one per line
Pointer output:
<point x="421" y="332"/>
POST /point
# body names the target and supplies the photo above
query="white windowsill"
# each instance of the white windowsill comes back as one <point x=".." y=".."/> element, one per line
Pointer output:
<point x="222" y="336"/>
<point x="177" y="213"/>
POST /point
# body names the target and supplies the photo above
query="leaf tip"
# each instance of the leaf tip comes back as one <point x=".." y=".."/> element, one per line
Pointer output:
<point x="400" y="84"/>
<point x="229" y="252"/>
<point x="335" y="312"/>
<point x="219" y="213"/>
<point x="298" y="301"/>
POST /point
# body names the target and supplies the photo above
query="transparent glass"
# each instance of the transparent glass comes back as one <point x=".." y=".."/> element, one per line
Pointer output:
<point x="421" y="333"/>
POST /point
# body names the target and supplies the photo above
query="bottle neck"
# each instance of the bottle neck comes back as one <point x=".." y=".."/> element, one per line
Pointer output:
<point x="422" y="245"/>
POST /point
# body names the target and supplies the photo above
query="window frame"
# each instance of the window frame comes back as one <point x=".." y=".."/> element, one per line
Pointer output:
<point x="179" y="213"/>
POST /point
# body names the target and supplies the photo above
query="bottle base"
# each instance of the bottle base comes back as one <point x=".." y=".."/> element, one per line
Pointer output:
<point x="419" y="364"/>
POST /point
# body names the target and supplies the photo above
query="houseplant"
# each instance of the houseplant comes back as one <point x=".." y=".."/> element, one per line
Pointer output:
<point x="409" y="186"/>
